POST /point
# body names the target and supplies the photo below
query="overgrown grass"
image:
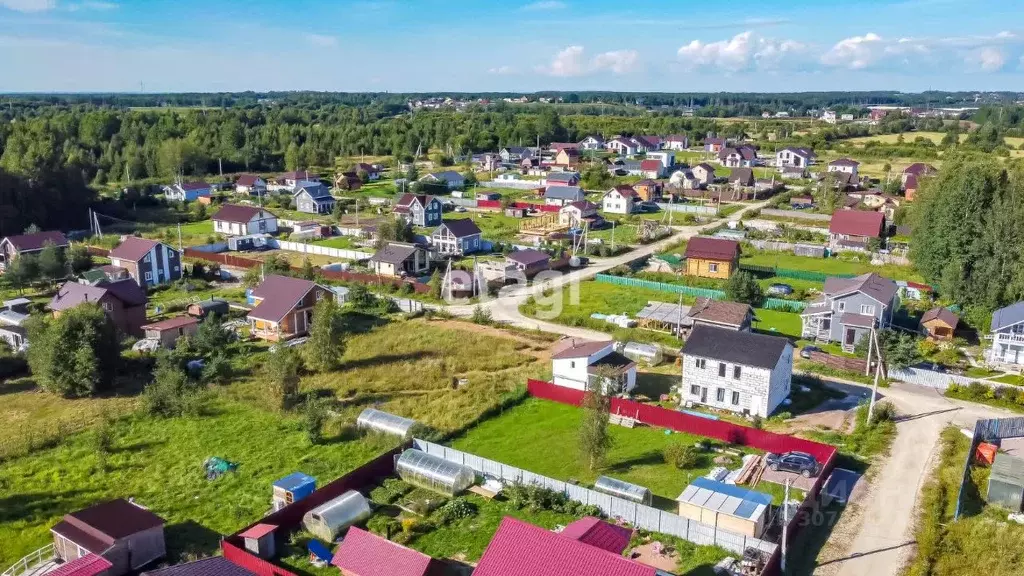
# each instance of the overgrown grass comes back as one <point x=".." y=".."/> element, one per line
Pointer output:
<point x="866" y="441"/>
<point x="844" y="265"/>
<point x="1008" y="397"/>
<point x="826" y="371"/>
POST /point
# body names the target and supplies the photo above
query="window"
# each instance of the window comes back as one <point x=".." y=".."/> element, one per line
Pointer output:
<point x="177" y="268"/>
<point x="149" y="276"/>
<point x="720" y="395"/>
<point x="695" y="390"/>
<point x="736" y="372"/>
<point x="572" y="364"/>
<point x="712" y="267"/>
<point x="108" y="306"/>
<point x="735" y="398"/>
<point x="181" y="331"/>
<point x="867" y="309"/>
<point x="146" y="259"/>
<point x="841" y="306"/>
<point x="721" y="369"/>
<point x="701" y="363"/>
<point x="319" y="295"/>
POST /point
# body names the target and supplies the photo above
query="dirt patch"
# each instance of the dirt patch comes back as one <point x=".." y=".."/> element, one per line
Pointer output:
<point x="653" y="554"/>
<point x="780" y="477"/>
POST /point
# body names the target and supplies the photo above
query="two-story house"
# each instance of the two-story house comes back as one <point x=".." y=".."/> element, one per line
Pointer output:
<point x="1007" y="332"/>
<point x="448" y="178"/>
<point x="148" y="262"/>
<point x="592" y="143"/>
<point x="456" y="237"/>
<point x="714" y="145"/>
<point x="568" y="157"/>
<point x="574" y="213"/>
<point x="846" y="165"/>
<point x="583" y="364"/>
<point x="561" y="178"/>
<point x="621" y="199"/>
<point x="513" y="154"/>
<point x="712" y="257"/>
<point x="623" y="146"/>
<point x="187" y="191"/>
<point x="284" y="307"/>
<point x="295" y="178"/>
<point x="399" y="259"/>
<point x="12" y="247"/>
<point x="794" y="157"/>
<point x="251" y="184"/>
<point x="741" y="372"/>
<point x="677" y="142"/>
<point x="313" y="198"/>
<point x="562" y="195"/>
<point x="419" y="209"/>
<point x="849" y="308"/>
<point x="124" y="302"/>
<point x="241" y="220"/>
<point x="372" y="172"/>
<point x="742" y="156"/>
<point x="705" y="173"/>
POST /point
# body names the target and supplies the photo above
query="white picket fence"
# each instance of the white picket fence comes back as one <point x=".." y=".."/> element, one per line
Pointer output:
<point x="318" y="250"/>
<point x="638" y="515"/>
<point x="514" y="184"/>
<point x="931" y="378"/>
<point x="689" y="209"/>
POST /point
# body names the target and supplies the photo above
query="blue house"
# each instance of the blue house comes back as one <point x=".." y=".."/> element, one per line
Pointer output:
<point x="314" y="198"/>
<point x="187" y="191"/>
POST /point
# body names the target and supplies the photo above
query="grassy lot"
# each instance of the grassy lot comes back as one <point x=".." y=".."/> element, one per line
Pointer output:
<point x="827" y="265"/>
<point x="340" y="242"/>
<point x="801" y="288"/>
<point x="177" y="294"/>
<point x="908" y="137"/>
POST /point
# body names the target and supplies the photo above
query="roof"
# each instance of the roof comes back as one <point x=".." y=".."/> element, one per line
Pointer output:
<point x="741" y="175"/>
<point x="193" y="186"/>
<point x="293" y="481"/>
<point x="71" y="294"/>
<point x="726" y="498"/>
<point x="625" y="190"/>
<point x="114" y="520"/>
<point x="460" y="228"/>
<point x="362" y="553"/>
<point x="581" y="205"/>
<point x="562" y="176"/>
<point x="799" y="150"/>
<point x="528" y="257"/>
<point x="712" y="248"/>
<point x="857" y="223"/>
<point x="648" y="165"/>
<point x="600" y="534"/>
<point x="569" y="150"/>
<point x="279" y="294"/>
<point x="258" y="531"/>
<point x="676" y="138"/>
<point x="237" y="213"/>
<point x="844" y="162"/>
<point x="576" y="348"/>
<point x="564" y="192"/>
<point x="299" y="175"/>
<point x="612" y="361"/>
<point x="36" y="240"/>
<point x="666" y="312"/>
<point x="172" y="323"/>
<point x="860" y="320"/>
<point x="318" y="192"/>
<point x="133" y="248"/>
<point x="706" y="166"/>
<point x="715" y="140"/>
<point x="941" y="314"/>
<point x="407" y="200"/>
<point x="213" y="566"/>
<point x="644" y="182"/>
<point x="920" y="169"/>
<point x="746" y="348"/>
<point x="394" y="253"/>
<point x="910" y="182"/>
<point x="447" y="176"/>
<point x="875" y="286"/>
<point x="247" y="180"/>
<point x="522" y="549"/>
<point x="1008" y="316"/>
<point x="88" y="565"/>
<point x="719" y="311"/>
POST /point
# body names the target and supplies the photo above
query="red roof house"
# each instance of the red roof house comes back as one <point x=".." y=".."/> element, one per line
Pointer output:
<point x="855" y="226"/>
<point x="522" y="549"/>
<point x="651" y="168"/>
<point x="362" y="553"/>
<point x="712" y="257"/>
<point x="600" y="534"/>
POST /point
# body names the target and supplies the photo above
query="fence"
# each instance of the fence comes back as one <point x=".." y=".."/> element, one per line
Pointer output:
<point x="515" y="184"/>
<point x="639" y="515"/>
<point x="769" y="303"/>
<point x="795" y="274"/>
<point x="689" y="209"/>
<point x="319" y="250"/>
<point x="929" y="378"/>
<point x="986" y="431"/>
<point x="797" y="214"/>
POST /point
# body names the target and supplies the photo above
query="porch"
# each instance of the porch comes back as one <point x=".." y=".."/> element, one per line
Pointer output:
<point x="817" y="327"/>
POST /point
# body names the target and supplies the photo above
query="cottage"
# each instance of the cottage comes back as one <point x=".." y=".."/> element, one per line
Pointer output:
<point x="561" y="178"/>
<point x="794" y="157"/>
<point x="575" y="213"/>
<point x="742" y="177"/>
<point x="456" y="237"/>
<point x="667" y="158"/>
<point x="705" y="173"/>
<point x="742" y="156"/>
<point x="912" y="176"/>
<point x="726" y="506"/>
<point x="449" y="178"/>
<point x="284" y="307"/>
<point x="118" y="535"/>
<point x="712" y="257"/>
<point x="399" y="259"/>
<point x="512" y="154"/>
<point x="621" y="199"/>
<point x="685" y="180"/>
<point x="250" y="184"/>
<point x="651" y="168"/>
<point x="853" y="229"/>
<point x="313" y="198"/>
<point x="239" y="220"/>
<point x="148" y="262"/>
<point x="350" y="181"/>
<point x="648" y="190"/>
<point x="939" y="324"/>
<point x="32" y="243"/>
<point x="290" y="180"/>
<point x="363" y="553"/>
<point x="568" y="157"/>
<point x="562" y="195"/>
<point x="849" y="308"/>
<point x="623" y="146"/>
<point x="528" y="261"/>
<point x="187" y="191"/>
<point x="721" y="314"/>
<point x="626" y="168"/>
<point x="741" y="372"/>
<point x="677" y="142"/>
<point x="714" y="145"/>
<point x="167" y="332"/>
<point x="592" y="143"/>
<point x="793" y="173"/>
<point x="844" y="165"/>
<point x="371" y="171"/>
<point x="579" y="364"/>
<point x="419" y="209"/>
<point x="1007" y="331"/>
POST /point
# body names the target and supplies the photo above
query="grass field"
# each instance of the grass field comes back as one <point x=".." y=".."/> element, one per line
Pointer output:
<point x="340" y="242"/>
<point x="827" y="265"/>
<point x="909" y="137"/>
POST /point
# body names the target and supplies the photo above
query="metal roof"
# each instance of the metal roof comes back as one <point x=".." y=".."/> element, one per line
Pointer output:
<point x="746" y="348"/>
<point x="1008" y="316"/>
<point x="665" y="312"/>
<point x="293" y="481"/>
<point x="365" y="554"/>
<point x="726" y="498"/>
<point x="1008" y="469"/>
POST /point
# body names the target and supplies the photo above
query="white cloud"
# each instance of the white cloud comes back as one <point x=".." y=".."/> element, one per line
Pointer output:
<point x="855" y="52"/>
<point x="986" y="53"/>
<point x="96" y="5"/>
<point x="542" y="5"/>
<point x="568" y="62"/>
<point x="501" y="70"/>
<point x="29" y="5"/>
<point x="618" y="61"/>
<point x="322" y="40"/>
<point x="741" y="52"/>
<point x="988" y="59"/>
<point x="572" y="61"/>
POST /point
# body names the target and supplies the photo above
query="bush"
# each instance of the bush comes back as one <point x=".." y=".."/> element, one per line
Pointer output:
<point x="455" y="509"/>
<point x="390" y="491"/>
<point x="385" y="526"/>
<point x="481" y="315"/>
<point x="681" y="456"/>
<point x="314" y="417"/>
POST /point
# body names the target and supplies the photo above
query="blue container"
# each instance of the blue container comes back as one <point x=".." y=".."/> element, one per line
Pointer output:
<point x="299" y="485"/>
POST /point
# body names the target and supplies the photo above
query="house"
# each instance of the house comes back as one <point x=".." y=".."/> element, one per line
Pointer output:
<point x="294" y="178"/>
<point x="528" y="261"/>
<point x="187" y="191"/>
<point x="522" y="549"/>
<point x="123" y="534"/>
<point x="728" y="507"/>
<point x="708" y="257"/>
<point x="666" y="157"/>
<point x="212" y="307"/>
<point x="419" y="209"/>
<point x="600" y="534"/>
<point x="829" y="117"/>
<point x="349" y="181"/>
<point x="721" y="314"/>
<point x="167" y="332"/>
<point x="741" y="372"/>
<point x="577" y="363"/>
<point x="372" y="172"/>
<point x="363" y="553"/>
<point x="715" y="145"/>
<point x="742" y="177"/>
<point x="561" y="179"/>
<point x="313" y="198"/>
<point x="845" y="181"/>
<point x="647" y="143"/>
<point x="651" y="168"/>
<point x="793" y="173"/>
<point x="456" y="237"/>
<point x="1007" y="332"/>
<point x="939" y="324"/>
<point x="449" y="178"/>
<point x="623" y="146"/>
<point x="569" y="157"/>
<point x="251" y="184"/>
<point x="592" y="143"/>
<point x="912" y="176"/>
<point x="849" y="308"/>
<point x="794" y="157"/>
<point x="212" y="566"/>
<point x="625" y="168"/>
<point x="685" y="179"/>
<point x="562" y="195"/>
<point x="677" y="142"/>
<point x="846" y="165"/>
<point x="801" y="202"/>
<point x="743" y="156"/>
<point x="32" y="243"/>
<point x="648" y="190"/>
<point x="853" y="229"/>
<point x="621" y="199"/>
<point x="148" y="262"/>
<point x="399" y="259"/>
<point x="512" y="154"/>
<point x="13" y="333"/>
<point x="574" y="213"/>
<point x="910" y="187"/>
<point x="705" y="173"/>
<point x="284" y="307"/>
<point x="240" y="220"/>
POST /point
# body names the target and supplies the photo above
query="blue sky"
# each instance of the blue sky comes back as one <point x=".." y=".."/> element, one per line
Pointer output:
<point x="483" y="45"/>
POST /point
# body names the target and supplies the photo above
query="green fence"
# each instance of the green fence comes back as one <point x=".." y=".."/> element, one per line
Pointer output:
<point x="795" y="274"/>
<point x="769" y="303"/>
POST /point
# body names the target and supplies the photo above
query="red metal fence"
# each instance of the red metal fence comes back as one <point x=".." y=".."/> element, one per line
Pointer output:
<point x="496" y="204"/>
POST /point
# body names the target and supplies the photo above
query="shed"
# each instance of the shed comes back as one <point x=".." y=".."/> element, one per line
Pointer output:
<point x="623" y="489"/>
<point x="125" y="534"/>
<point x="646" y="353"/>
<point x="363" y="553"/>
<point x="810" y="250"/>
<point x="1006" y="482"/>
<point x="248" y="242"/>
<point x="214" y="306"/>
<point x="292" y="488"/>
<point x="434" y="473"/>
<point x="167" y="332"/>
<point x="373" y="420"/>
<point x="939" y="323"/>
<point x="260" y="540"/>
<point x="725" y="506"/>
<point x="327" y="520"/>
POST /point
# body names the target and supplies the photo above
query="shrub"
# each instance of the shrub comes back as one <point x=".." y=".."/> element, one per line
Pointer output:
<point x="757" y="422"/>
<point x="681" y="456"/>
<point x="455" y="509"/>
<point x="314" y="417"/>
<point x="884" y="412"/>
<point x="481" y="315"/>
<point x="383" y="526"/>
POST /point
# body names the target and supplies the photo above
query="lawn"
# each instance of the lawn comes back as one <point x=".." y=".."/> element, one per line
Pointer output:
<point x="908" y="137"/>
<point x="340" y="242"/>
<point x="834" y="265"/>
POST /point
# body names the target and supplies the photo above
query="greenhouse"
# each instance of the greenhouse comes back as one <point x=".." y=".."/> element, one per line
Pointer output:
<point x="373" y="420"/>
<point x="646" y="353"/>
<point x="434" y="473"/>
<point x="624" y="490"/>
<point x="326" y="520"/>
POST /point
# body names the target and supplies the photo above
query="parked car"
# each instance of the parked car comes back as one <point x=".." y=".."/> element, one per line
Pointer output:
<point x="801" y="463"/>
<point x="780" y="289"/>
<point x="460" y="208"/>
<point x="805" y="352"/>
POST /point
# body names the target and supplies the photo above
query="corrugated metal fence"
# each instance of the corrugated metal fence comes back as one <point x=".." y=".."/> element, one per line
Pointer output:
<point x="929" y="378"/>
<point x="689" y="209"/>
<point x="986" y="431"/>
<point x="638" y="515"/>
<point x="769" y="303"/>
<point x="319" y="250"/>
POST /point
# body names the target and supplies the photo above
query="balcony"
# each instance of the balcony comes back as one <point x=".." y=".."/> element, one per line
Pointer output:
<point x="1009" y="338"/>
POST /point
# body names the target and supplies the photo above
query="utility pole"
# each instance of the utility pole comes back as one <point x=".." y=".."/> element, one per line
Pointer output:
<point x="867" y="367"/>
<point x="613" y="235"/>
<point x="878" y="373"/>
<point x="179" y="238"/>
<point x="785" y="526"/>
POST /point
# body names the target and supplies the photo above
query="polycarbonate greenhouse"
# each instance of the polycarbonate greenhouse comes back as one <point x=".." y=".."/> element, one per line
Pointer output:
<point x="326" y="520"/>
<point x="624" y="490"/>
<point x="646" y="353"/>
<point x="374" y="420"/>
<point x="434" y="473"/>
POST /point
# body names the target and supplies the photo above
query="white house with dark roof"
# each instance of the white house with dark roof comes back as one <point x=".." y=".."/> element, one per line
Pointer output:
<point x="313" y="198"/>
<point x="456" y="237"/>
<point x="742" y="156"/>
<point x="593" y="142"/>
<point x="623" y="146"/>
<point x="741" y="372"/>
<point x="621" y="199"/>
<point x="450" y="178"/>
<point x="250" y="184"/>
<point x="676" y="142"/>
<point x="704" y="172"/>
<point x="241" y="220"/>
<point x="577" y="363"/>
<point x="562" y="195"/>
<point x="399" y="259"/>
<point x="187" y="191"/>
<point x="794" y="157"/>
<point x="847" y="165"/>
<point x="1007" y="332"/>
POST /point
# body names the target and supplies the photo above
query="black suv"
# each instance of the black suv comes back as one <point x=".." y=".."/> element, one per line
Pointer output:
<point x="800" y="462"/>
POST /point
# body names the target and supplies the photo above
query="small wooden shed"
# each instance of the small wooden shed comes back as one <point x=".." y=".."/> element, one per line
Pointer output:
<point x="259" y="540"/>
<point x="168" y="331"/>
<point x="939" y="323"/>
<point x="125" y="534"/>
<point x="725" y="506"/>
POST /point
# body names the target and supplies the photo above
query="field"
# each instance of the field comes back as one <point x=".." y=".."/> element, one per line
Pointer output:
<point x="909" y="137"/>
<point x="828" y="265"/>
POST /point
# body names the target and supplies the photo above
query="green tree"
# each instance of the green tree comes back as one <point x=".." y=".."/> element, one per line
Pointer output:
<point x="75" y="354"/>
<point x="325" y="347"/>
<point x="52" y="263"/>
<point x="743" y="287"/>
<point x="79" y="258"/>
<point x="314" y="418"/>
<point x="282" y="371"/>
<point x="435" y="283"/>
<point x="395" y="229"/>
<point x="594" y="440"/>
<point x="308" y="271"/>
<point x="23" y="271"/>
